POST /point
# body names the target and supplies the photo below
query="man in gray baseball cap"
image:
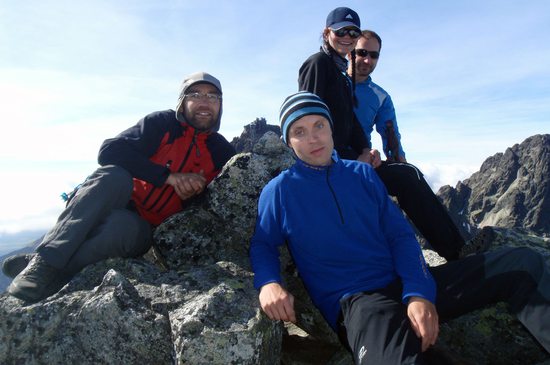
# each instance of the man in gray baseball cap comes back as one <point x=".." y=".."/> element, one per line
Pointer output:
<point x="148" y="173"/>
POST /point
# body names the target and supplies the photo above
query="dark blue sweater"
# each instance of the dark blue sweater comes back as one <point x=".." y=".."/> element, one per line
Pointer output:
<point x="343" y="231"/>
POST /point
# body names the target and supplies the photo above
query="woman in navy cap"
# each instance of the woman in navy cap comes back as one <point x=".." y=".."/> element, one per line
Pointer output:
<point x="324" y="74"/>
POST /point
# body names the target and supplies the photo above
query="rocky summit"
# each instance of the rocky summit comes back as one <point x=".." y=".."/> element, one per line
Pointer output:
<point x="190" y="300"/>
<point x="510" y="190"/>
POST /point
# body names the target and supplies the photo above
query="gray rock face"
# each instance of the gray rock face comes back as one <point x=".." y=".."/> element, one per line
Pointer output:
<point x="129" y="312"/>
<point x="511" y="189"/>
<point x="252" y="133"/>
<point x="220" y="226"/>
<point x="202" y="310"/>
<point x="191" y="300"/>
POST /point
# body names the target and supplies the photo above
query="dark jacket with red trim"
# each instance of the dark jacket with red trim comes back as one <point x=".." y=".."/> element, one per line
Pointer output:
<point x="156" y="146"/>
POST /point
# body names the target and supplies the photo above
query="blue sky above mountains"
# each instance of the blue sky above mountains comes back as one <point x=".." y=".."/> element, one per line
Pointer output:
<point x="468" y="78"/>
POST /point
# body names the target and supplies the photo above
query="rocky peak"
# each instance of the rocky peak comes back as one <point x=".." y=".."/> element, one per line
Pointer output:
<point x="511" y="189"/>
<point x="191" y="300"/>
<point x="252" y="134"/>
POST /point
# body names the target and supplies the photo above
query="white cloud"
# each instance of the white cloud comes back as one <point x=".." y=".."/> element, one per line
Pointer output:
<point x="31" y="197"/>
<point x="65" y="116"/>
<point x="440" y="175"/>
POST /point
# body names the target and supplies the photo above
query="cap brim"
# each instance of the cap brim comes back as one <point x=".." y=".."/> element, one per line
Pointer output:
<point x="337" y="26"/>
<point x="204" y="82"/>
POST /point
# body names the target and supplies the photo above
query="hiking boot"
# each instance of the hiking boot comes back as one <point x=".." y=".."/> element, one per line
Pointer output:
<point x="480" y="243"/>
<point x="37" y="281"/>
<point x="13" y="265"/>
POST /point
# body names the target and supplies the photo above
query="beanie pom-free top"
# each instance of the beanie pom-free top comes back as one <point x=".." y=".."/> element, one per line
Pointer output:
<point x="299" y="105"/>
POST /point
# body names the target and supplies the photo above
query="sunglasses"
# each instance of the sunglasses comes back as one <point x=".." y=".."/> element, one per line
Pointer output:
<point x="352" y="32"/>
<point x="364" y="53"/>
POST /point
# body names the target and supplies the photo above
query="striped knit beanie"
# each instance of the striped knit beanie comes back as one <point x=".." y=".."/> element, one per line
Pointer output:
<point x="298" y="105"/>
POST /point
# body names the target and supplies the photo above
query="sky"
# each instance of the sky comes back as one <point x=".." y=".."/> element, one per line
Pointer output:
<point x="468" y="78"/>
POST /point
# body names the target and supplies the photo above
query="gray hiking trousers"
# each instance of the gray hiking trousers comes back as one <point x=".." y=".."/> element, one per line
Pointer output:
<point x="96" y="224"/>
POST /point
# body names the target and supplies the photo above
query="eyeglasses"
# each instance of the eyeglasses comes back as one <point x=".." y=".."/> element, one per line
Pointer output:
<point x="352" y="32"/>
<point x="210" y="97"/>
<point x="364" y="53"/>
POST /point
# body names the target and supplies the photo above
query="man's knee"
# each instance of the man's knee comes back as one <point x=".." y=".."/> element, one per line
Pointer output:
<point x="114" y="174"/>
<point x="136" y="237"/>
<point x="142" y="243"/>
<point x="402" y="178"/>
<point x="115" y="178"/>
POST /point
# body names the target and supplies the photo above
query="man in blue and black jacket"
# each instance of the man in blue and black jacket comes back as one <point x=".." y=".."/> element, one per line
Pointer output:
<point x="147" y="173"/>
<point x="402" y="179"/>
<point x="360" y="261"/>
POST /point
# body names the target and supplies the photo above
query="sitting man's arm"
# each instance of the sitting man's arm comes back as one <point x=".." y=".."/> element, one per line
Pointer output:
<point x="386" y="126"/>
<point x="187" y="184"/>
<point x="275" y="301"/>
<point x="419" y="289"/>
<point x="133" y="148"/>
<point x="424" y="320"/>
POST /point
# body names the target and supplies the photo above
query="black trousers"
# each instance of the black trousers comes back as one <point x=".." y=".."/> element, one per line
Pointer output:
<point x="376" y="327"/>
<point x="96" y="225"/>
<point x="405" y="182"/>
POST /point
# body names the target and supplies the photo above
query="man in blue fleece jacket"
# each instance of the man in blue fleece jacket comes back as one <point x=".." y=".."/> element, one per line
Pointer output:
<point x="360" y="261"/>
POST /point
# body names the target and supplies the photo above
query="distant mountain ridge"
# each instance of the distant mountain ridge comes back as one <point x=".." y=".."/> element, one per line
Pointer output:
<point x="510" y="190"/>
<point x="12" y="241"/>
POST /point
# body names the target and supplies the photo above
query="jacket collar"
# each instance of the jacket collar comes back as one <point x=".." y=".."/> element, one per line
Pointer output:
<point x="188" y="128"/>
<point x="366" y="82"/>
<point x="341" y="63"/>
<point x="312" y="170"/>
